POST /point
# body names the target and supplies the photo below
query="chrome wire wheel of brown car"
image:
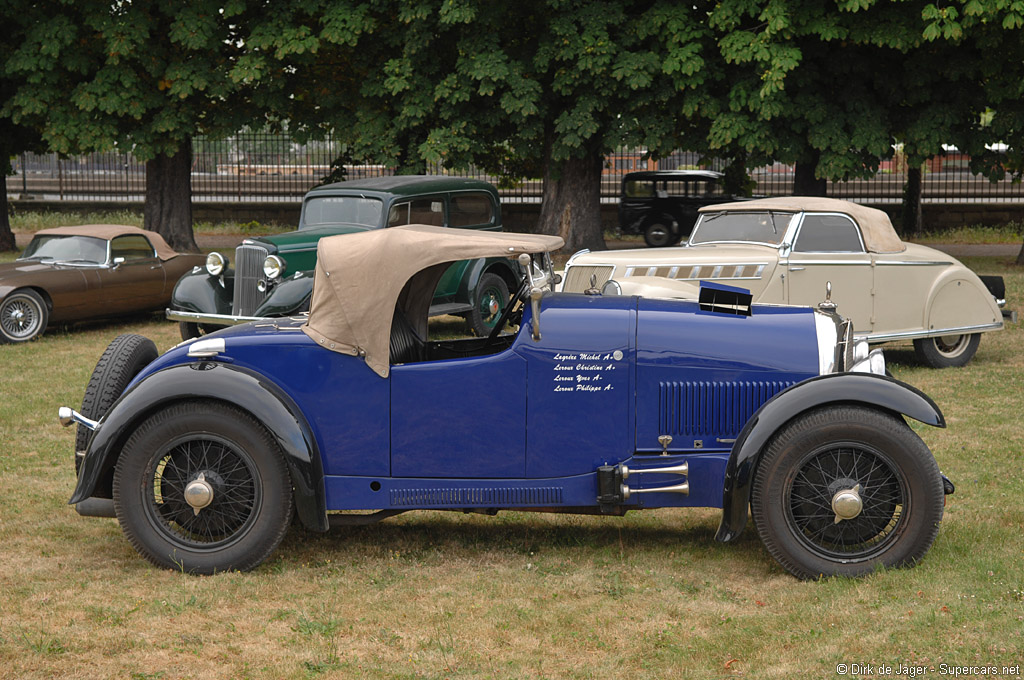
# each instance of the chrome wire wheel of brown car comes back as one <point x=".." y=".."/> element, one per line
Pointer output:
<point x="946" y="351"/>
<point x="23" y="316"/>
<point x="844" y="490"/>
<point x="203" y="487"/>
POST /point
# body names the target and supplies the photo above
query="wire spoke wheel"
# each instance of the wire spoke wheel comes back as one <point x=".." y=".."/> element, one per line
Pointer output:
<point x="843" y="490"/>
<point x="830" y="470"/>
<point x="23" y="316"/>
<point x="232" y="478"/>
<point x="203" y="487"/>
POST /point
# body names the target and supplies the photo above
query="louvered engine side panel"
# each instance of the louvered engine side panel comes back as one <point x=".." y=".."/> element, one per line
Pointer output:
<point x="696" y="409"/>
<point x="497" y="497"/>
<point x="248" y="272"/>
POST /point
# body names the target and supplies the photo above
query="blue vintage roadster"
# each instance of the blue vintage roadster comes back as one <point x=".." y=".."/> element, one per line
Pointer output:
<point x="609" y="403"/>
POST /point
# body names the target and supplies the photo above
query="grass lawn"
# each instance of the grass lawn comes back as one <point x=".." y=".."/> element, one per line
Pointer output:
<point x="445" y="595"/>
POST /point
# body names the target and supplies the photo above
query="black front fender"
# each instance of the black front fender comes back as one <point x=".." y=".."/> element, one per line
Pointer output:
<point x="288" y="297"/>
<point x="865" y="389"/>
<point x="245" y="389"/>
<point x="200" y="292"/>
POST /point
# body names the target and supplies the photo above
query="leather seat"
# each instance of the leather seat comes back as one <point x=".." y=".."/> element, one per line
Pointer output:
<point x="405" y="346"/>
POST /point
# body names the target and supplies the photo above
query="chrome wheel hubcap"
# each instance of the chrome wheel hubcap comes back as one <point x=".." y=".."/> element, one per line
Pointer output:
<point x="847" y="504"/>
<point x="199" y="493"/>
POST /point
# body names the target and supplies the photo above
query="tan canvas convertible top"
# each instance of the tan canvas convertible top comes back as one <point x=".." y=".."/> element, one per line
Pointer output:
<point x="879" y="235"/>
<point x="360" y="277"/>
<point x="111" y="231"/>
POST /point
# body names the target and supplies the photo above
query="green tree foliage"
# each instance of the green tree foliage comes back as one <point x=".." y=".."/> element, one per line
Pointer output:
<point x="14" y="138"/>
<point x="541" y="88"/>
<point x="146" y="75"/>
<point x="538" y="88"/>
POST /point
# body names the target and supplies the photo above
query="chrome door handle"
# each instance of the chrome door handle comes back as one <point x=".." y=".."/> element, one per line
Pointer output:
<point x="796" y="269"/>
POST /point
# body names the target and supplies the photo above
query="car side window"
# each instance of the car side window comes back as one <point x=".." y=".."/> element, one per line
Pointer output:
<point x="639" y="189"/>
<point x="132" y="247"/>
<point x="828" y="234"/>
<point x="417" y="211"/>
<point x="676" y="188"/>
<point x="470" y="210"/>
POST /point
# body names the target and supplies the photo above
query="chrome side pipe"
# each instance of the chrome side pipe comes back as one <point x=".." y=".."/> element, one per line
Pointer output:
<point x="683" y="488"/>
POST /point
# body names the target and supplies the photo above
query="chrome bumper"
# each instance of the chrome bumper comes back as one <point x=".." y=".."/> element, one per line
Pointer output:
<point x="212" y="319"/>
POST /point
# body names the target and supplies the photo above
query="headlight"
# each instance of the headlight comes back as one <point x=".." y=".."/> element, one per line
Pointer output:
<point x="215" y="264"/>
<point x="273" y="267"/>
<point x="611" y="287"/>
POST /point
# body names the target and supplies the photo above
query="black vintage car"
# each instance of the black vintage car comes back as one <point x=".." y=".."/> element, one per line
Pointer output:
<point x="662" y="204"/>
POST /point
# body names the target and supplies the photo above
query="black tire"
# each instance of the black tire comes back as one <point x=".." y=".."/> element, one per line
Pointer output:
<point x="23" y="316"/>
<point x="489" y="301"/>
<point x="948" y="350"/>
<point x="241" y="466"/>
<point x="820" y="454"/>
<point x="661" y="233"/>
<point x="120" y="362"/>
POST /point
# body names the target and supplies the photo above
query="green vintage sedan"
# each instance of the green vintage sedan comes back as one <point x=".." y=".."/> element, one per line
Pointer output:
<point x="272" y="276"/>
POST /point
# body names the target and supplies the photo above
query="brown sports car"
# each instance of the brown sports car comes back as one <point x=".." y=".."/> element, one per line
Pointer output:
<point x="91" y="271"/>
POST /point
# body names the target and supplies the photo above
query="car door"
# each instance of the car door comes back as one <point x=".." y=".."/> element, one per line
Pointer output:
<point x="459" y="418"/>
<point x="134" y="277"/>
<point x="828" y="248"/>
<point x="581" y="377"/>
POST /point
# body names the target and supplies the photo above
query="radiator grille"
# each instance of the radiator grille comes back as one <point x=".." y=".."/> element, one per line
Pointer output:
<point x="712" y="408"/>
<point x="577" y="278"/>
<point x="537" y="496"/>
<point x="248" y="271"/>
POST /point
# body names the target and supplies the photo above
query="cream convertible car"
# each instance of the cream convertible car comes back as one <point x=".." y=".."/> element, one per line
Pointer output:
<point x="787" y="250"/>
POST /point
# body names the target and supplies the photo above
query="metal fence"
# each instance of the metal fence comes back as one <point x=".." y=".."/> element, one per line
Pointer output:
<point x="255" y="167"/>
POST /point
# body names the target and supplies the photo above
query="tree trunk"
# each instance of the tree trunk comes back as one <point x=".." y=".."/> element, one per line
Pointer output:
<point x="804" y="181"/>
<point x="571" y="206"/>
<point x="736" y="181"/>
<point x="168" y="208"/>
<point x="912" y="203"/>
<point x="1020" y="256"/>
<point x="6" y="235"/>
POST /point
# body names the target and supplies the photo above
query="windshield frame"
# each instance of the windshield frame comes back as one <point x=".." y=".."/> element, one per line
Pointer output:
<point x="304" y="219"/>
<point x="785" y="235"/>
<point x="77" y="262"/>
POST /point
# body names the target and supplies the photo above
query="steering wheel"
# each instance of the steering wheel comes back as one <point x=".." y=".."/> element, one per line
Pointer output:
<point x="506" y="313"/>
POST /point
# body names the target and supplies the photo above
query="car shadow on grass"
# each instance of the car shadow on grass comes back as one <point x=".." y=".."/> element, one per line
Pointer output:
<point x="431" y="534"/>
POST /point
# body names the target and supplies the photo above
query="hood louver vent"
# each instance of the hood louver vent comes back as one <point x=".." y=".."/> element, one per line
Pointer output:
<point x="712" y="409"/>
